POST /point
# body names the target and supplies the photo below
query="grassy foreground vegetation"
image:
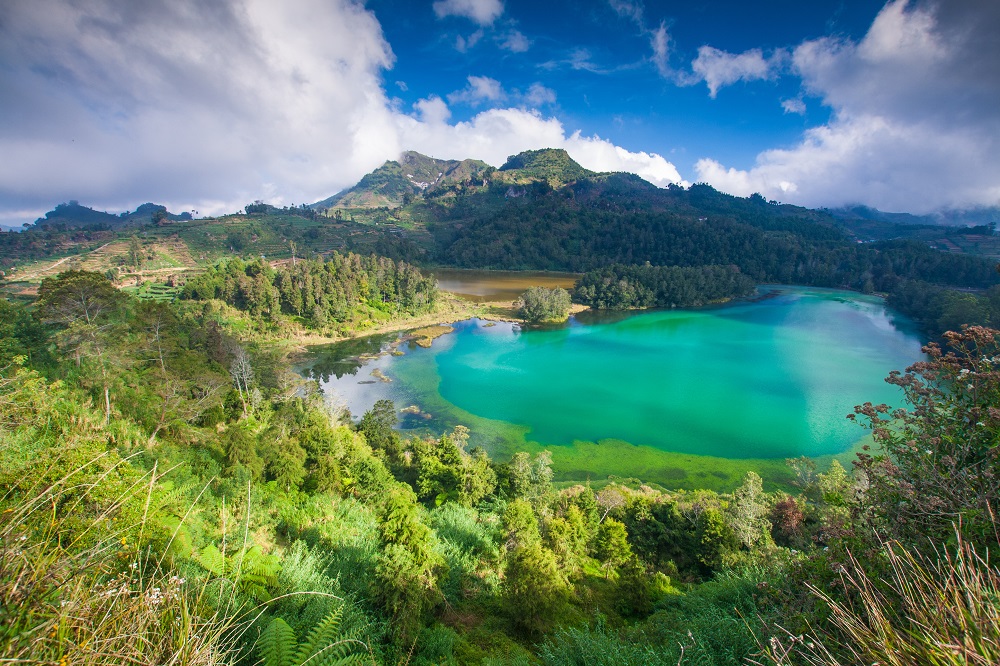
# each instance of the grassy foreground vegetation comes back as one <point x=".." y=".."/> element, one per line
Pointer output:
<point x="174" y="494"/>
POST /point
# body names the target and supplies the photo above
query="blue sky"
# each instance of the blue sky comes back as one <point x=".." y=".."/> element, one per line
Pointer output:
<point x="597" y="60"/>
<point x="206" y="106"/>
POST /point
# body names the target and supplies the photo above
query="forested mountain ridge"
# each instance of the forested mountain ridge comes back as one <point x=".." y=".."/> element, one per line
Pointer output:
<point x="414" y="177"/>
<point x="423" y="190"/>
<point x="541" y="210"/>
<point x="982" y="216"/>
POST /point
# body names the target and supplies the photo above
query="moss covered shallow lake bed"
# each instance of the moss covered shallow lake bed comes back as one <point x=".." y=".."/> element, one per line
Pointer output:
<point x="680" y="398"/>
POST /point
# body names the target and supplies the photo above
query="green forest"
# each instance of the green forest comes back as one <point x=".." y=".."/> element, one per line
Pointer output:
<point x="540" y="211"/>
<point x="592" y="225"/>
<point x="317" y="293"/>
<point x="174" y="493"/>
<point x="631" y="287"/>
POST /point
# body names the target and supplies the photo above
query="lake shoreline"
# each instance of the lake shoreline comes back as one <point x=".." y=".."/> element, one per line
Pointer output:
<point x="454" y="310"/>
<point x="456" y="307"/>
<point x="655" y="439"/>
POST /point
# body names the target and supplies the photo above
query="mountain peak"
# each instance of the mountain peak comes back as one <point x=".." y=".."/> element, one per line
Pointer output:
<point x="414" y="175"/>
<point x="397" y="181"/>
<point x="548" y="163"/>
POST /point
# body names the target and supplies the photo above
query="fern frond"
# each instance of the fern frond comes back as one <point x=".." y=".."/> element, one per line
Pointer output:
<point x="173" y="499"/>
<point x="253" y="563"/>
<point x="329" y="645"/>
<point x="255" y="572"/>
<point x="213" y="560"/>
<point x="277" y="645"/>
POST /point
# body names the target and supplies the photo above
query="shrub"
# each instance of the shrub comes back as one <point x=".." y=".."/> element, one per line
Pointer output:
<point x="939" y="456"/>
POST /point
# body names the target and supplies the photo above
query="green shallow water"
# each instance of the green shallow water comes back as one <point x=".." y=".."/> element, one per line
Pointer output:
<point x="660" y="394"/>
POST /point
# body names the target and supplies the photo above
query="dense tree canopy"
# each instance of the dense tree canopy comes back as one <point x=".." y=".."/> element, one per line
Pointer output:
<point x="627" y="287"/>
<point x="319" y="291"/>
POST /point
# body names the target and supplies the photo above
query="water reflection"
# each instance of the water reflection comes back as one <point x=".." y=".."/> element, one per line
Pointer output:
<point x="343" y="358"/>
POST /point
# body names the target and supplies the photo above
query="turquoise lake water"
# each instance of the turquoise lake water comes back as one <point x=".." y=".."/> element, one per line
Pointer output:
<point x="768" y="378"/>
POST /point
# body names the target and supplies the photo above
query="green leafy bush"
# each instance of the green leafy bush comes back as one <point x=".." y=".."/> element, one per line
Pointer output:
<point x="539" y="304"/>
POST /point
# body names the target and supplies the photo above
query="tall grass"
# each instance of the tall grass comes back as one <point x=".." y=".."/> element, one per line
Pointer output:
<point x="102" y="603"/>
<point x="87" y="571"/>
<point x="941" y="609"/>
<point x="75" y="587"/>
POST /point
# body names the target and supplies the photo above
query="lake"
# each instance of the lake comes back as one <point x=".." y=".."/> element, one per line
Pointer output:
<point x="684" y="398"/>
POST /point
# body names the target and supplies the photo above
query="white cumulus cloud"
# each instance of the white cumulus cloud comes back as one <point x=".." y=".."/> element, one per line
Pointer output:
<point x="463" y="44"/>
<point x="432" y="110"/>
<point x="599" y="154"/>
<point x="719" y="68"/>
<point x="480" y="89"/>
<point x="915" y="124"/>
<point x="659" y="41"/>
<point x="515" y="42"/>
<point x="196" y="105"/>
<point x="483" y="12"/>
<point x="539" y="95"/>
<point x="794" y="105"/>
<point x="630" y="10"/>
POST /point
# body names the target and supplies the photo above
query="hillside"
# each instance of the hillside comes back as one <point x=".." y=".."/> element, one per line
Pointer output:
<point x="982" y="216"/>
<point x="199" y="496"/>
<point x="967" y="231"/>
<point x="418" y="193"/>
<point x="416" y="177"/>
<point x="549" y="164"/>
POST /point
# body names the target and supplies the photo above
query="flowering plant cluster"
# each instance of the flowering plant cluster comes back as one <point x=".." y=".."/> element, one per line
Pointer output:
<point x="938" y="464"/>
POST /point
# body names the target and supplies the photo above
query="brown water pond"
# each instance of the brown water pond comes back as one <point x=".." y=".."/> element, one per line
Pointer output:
<point x="483" y="286"/>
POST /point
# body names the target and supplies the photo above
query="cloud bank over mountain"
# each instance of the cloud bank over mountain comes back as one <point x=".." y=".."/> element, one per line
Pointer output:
<point x="207" y="106"/>
<point x="916" y="116"/>
<point x="212" y="105"/>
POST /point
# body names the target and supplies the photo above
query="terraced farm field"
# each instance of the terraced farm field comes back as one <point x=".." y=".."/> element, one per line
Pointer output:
<point x="154" y="292"/>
